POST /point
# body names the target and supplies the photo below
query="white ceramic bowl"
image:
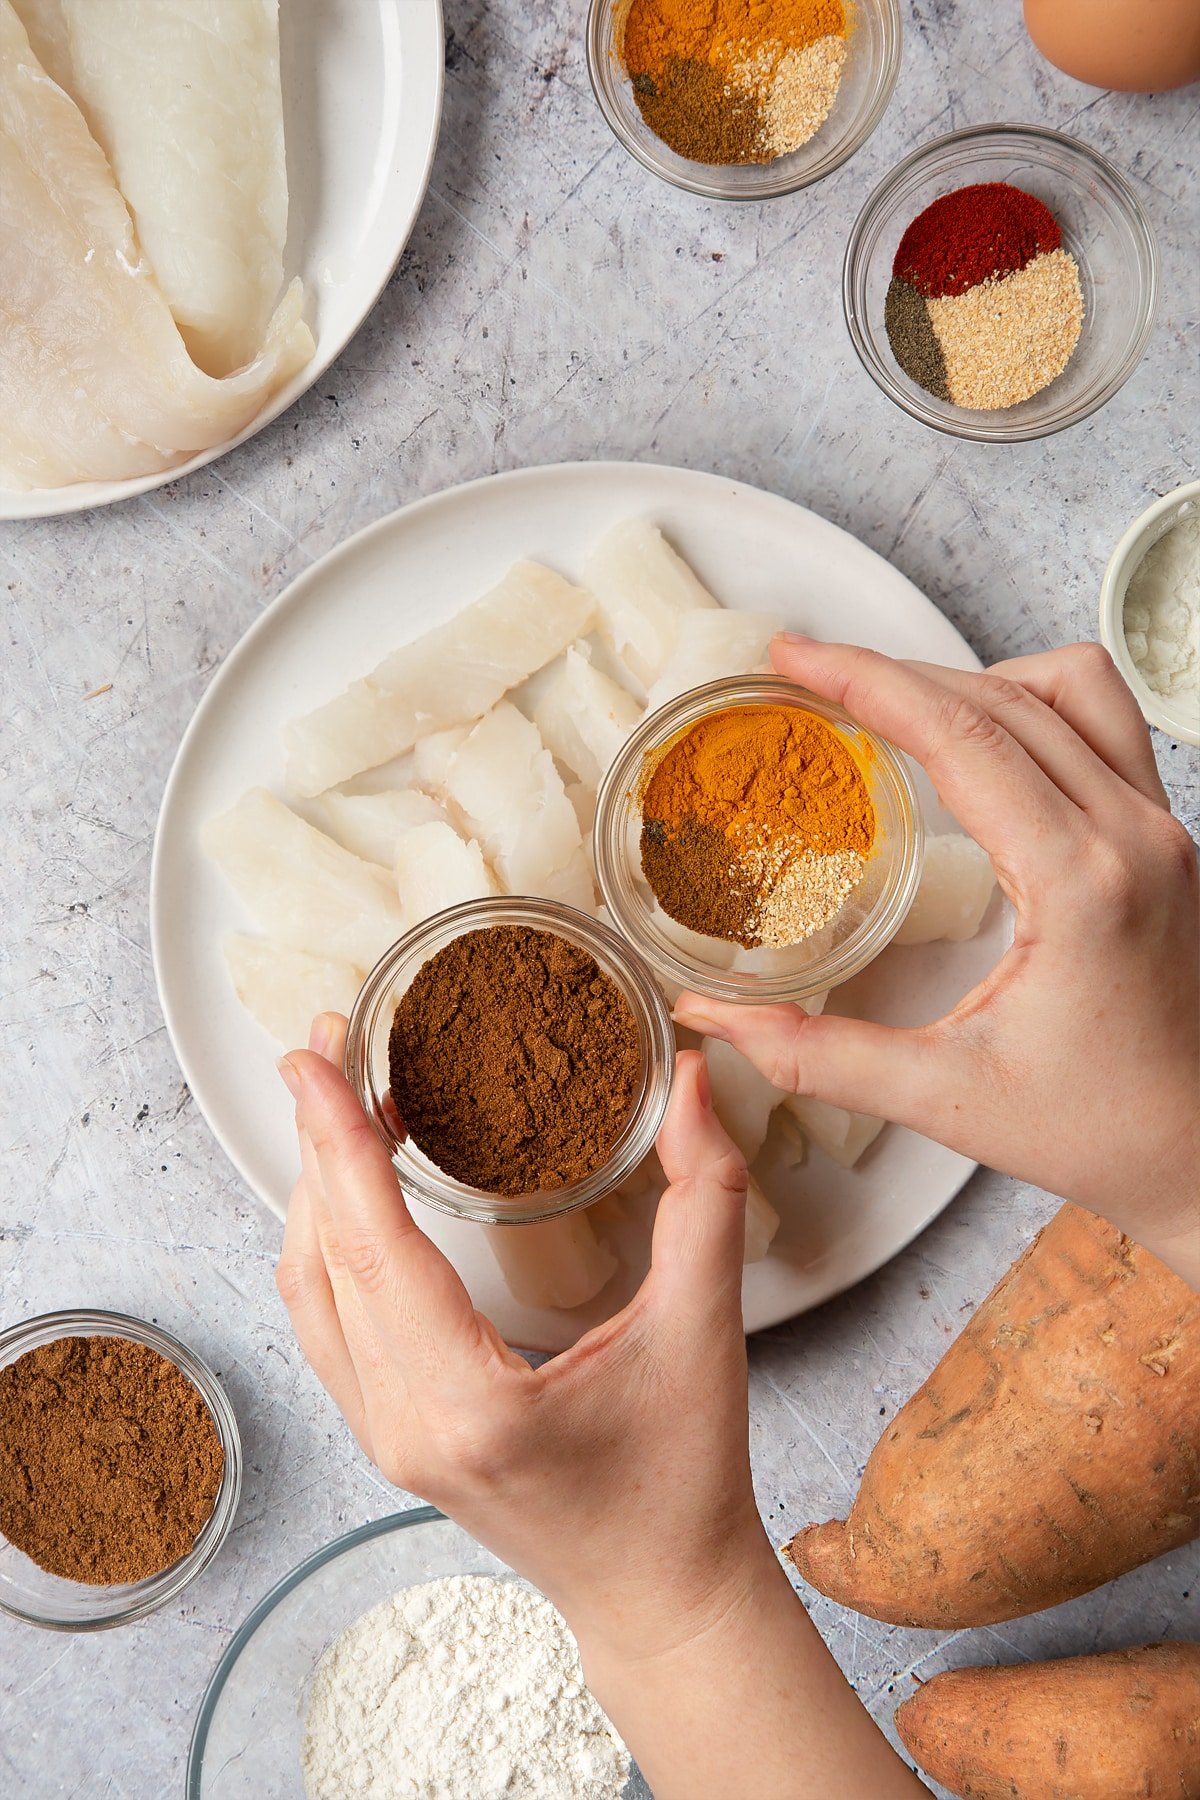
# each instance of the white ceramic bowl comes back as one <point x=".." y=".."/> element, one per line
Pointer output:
<point x="1179" y="718"/>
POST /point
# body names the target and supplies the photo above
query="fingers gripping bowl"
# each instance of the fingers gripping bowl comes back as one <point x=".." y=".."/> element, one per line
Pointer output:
<point x="367" y="1057"/>
<point x="867" y="922"/>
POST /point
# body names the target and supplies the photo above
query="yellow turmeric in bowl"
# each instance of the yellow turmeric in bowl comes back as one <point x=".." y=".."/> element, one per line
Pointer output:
<point x="734" y="81"/>
<point x="757" y="823"/>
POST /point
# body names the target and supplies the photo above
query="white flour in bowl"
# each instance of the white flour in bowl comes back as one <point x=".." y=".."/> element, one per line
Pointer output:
<point x="467" y="1688"/>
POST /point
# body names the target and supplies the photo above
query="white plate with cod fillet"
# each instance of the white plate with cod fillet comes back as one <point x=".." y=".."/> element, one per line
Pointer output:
<point x="201" y="202"/>
<point x="566" y="568"/>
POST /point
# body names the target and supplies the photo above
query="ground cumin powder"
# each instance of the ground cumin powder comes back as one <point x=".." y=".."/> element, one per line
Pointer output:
<point x="514" y="1060"/>
<point x="110" y="1462"/>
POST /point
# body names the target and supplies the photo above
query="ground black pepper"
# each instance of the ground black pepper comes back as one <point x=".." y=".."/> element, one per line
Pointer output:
<point x="514" y="1060"/>
<point x="913" y="340"/>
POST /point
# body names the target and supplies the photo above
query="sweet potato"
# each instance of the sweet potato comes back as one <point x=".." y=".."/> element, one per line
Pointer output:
<point x="1056" y="1445"/>
<point x="1122" y="1726"/>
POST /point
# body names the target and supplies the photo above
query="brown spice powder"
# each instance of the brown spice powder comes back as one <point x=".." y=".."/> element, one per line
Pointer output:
<point x="694" y="110"/>
<point x="110" y="1462"/>
<point x="514" y="1060"/>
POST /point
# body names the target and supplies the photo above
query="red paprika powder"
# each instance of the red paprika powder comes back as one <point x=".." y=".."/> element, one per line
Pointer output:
<point x="977" y="233"/>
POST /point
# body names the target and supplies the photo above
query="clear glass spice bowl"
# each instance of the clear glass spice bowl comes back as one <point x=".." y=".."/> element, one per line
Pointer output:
<point x="367" y="1057"/>
<point x="868" y="82"/>
<point x="34" y="1595"/>
<point x="873" y="911"/>
<point x="1103" y="227"/>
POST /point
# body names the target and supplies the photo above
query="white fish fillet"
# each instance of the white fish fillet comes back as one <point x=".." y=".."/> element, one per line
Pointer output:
<point x="436" y="868"/>
<point x="842" y="1135"/>
<point x="558" y="1263"/>
<point x="710" y="645"/>
<point x="450" y="676"/>
<point x="285" y="989"/>
<point x="504" y="788"/>
<point x="185" y="99"/>
<point x="433" y="755"/>
<point x="583" y="716"/>
<point x="644" y="590"/>
<point x="95" y="380"/>
<point x="762" y="1222"/>
<point x="304" y="889"/>
<point x="369" y="825"/>
<point x="957" y="882"/>
<point x="742" y="1098"/>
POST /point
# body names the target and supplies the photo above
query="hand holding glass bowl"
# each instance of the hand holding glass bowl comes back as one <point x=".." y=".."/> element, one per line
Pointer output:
<point x="1092" y="1019"/>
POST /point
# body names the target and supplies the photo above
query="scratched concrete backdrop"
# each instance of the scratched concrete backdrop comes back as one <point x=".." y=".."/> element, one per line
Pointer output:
<point x="554" y="302"/>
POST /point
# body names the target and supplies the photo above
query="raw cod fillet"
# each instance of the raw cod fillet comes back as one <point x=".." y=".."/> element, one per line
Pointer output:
<point x="370" y="825"/>
<point x="583" y="716"/>
<point x="184" y="97"/>
<point x="308" y="892"/>
<point x="504" y="787"/>
<point x="95" y="380"/>
<point x="435" y="868"/>
<point x="449" y="676"/>
<point x="957" y="883"/>
<point x="286" y="989"/>
<point x="644" y="590"/>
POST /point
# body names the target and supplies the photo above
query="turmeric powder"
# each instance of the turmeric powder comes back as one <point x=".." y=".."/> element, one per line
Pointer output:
<point x="756" y="824"/>
<point x="723" y="81"/>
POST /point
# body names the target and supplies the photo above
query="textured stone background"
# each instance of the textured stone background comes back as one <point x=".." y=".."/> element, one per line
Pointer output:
<point x="555" y="302"/>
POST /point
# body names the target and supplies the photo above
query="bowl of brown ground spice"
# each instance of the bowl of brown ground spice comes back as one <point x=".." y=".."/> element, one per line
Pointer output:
<point x="515" y="1056"/>
<point x="743" y="99"/>
<point x="120" y="1469"/>
<point x="755" y="843"/>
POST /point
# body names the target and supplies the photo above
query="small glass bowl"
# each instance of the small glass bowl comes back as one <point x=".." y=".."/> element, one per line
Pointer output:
<point x="1103" y="227"/>
<point x="370" y="1028"/>
<point x="1179" y="717"/>
<point x="868" y="81"/>
<point x="39" y="1598"/>
<point x="871" y="916"/>
<point x="249" y="1734"/>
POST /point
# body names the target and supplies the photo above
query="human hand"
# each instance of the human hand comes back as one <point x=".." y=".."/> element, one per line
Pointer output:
<point x="1075" y="1064"/>
<point x="617" y="1476"/>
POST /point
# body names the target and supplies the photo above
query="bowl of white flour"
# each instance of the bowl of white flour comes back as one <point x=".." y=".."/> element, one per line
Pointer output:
<point x="405" y="1662"/>
<point x="1150" y="612"/>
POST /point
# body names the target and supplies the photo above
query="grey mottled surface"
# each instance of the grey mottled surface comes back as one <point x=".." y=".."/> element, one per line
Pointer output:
<point x="555" y="302"/>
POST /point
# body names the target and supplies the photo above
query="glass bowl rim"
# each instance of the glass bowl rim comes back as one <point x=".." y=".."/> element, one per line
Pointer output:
<point x="862" y="946"/>
<point x="1133" y="544"/>
<point x="262" y="1610"/>
<point x="102" y="1322"/>
<point x="864" y="338"/>
<point x="643" y="992"/>
<point x="839" y="153"/>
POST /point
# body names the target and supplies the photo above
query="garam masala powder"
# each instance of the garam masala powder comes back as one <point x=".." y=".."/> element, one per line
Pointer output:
<point x="734" y="81"/>
<point x="514" y="1061"/>
<point x="757" y="823"/>
<point x="110" y="1463"/>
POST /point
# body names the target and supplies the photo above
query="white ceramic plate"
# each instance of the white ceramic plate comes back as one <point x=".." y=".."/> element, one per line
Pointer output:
<point x="362" y="100"/>
<point x="414" y="570"/>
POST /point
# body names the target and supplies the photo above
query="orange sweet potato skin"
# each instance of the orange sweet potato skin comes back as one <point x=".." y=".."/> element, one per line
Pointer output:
<point x="1056" y="1445"/>
<point x="1122" y="1726"/>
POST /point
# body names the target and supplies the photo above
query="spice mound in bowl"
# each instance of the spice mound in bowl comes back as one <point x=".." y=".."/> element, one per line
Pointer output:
<point x="984" y="308"/>
<point x="110" y="1461"/>
<point x="756" y="825"/>
<point x="514" y="1061"/>
<point x="734" y="81"/>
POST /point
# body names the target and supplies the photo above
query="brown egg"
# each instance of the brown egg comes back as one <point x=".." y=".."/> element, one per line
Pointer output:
<point x="1140" y="46"/>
